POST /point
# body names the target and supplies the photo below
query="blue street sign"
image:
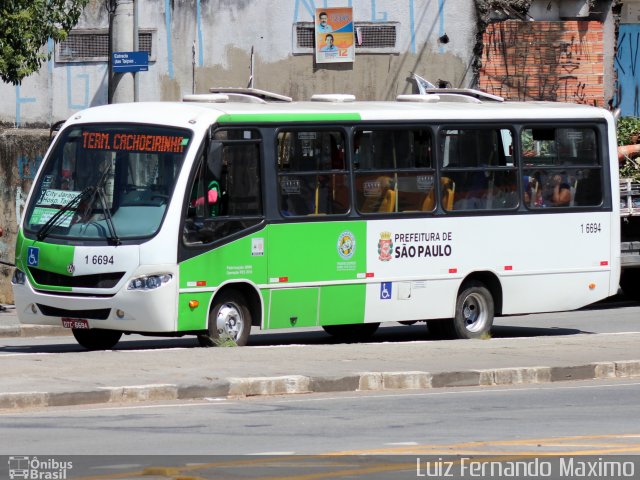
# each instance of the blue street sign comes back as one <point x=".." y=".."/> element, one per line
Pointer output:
<point x="130" y="62"/>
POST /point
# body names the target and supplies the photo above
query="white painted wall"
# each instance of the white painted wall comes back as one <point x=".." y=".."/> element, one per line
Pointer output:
<point x="225" y="31"/>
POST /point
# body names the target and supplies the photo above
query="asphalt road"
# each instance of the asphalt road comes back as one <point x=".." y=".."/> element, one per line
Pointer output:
<point x="157" y="398"/>
<point x="592" y="418"/>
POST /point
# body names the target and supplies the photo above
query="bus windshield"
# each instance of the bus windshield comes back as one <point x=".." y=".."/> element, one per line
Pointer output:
<point x="107" y="182"/>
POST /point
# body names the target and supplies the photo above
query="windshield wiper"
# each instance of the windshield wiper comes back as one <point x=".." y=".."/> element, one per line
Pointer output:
<point x="76" y="201"/>
<point x="113" y="236"/>
<point x="70" y="205"/>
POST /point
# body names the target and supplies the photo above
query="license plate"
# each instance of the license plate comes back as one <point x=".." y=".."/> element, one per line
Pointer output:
<point x="75" y="323"/>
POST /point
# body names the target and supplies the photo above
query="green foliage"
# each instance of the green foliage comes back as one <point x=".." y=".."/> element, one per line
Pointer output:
<point x="224" y="340"/>
<point x="628" y="132"/>
<point x="26" y="26"/>
<point x="630" y="169"/>
<point x="626" y="128"/>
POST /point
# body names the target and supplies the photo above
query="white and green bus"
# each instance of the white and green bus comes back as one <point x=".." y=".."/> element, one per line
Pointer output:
<point x="212" y="216"/>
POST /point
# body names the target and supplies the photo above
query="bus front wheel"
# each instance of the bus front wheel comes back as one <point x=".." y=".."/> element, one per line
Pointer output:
<point x="97" y="339"/>
<point x="474" y="312"/>
<point x="229" y="321"/>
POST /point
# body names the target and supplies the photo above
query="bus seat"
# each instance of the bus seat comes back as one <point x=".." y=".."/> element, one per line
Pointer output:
<point x="448" y="191"/>
<point x="388" y="202"/>
<point x="429" y="201"/>
<point x="372" y="202"/>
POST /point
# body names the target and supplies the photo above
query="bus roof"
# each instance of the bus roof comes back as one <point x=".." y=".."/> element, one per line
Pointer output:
<point x="188" y="114"/>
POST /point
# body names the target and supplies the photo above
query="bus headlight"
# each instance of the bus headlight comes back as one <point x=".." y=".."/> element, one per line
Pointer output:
<point x="149" y="282"/>
<point x="19" y="278"/>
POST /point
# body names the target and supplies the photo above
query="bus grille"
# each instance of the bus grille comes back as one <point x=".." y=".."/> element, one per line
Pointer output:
<point x="100" y="280"/>
<point x="97" y="314"/>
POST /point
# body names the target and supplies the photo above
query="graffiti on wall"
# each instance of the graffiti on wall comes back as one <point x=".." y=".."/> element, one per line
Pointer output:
<point x="27" y="169"/>
<point x="556" y="61"/>
<point x="627" y="91"/>
<point x="28" y="166"/>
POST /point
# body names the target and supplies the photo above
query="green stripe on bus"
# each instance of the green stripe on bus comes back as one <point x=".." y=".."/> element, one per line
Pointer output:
<point x="305" y="255"/>
<point x="51" y="258"/>
<point x="288" y="117"/>
<point x="193" y="318"/>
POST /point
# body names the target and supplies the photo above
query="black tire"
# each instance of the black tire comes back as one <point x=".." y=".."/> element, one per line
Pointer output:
<point x="229" y="319"/>
<point x="474" y="312"/>
<point x="352" y="333"/>
<point x="96" y="339"/>
<point x="630" y="283"/>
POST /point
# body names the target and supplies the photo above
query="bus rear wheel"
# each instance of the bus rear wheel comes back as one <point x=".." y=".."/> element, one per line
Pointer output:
<point x="352" y="333"/>
<point x="474" y="312"/>
<point x="97" y="339"/>
<point x="229" y="321"/>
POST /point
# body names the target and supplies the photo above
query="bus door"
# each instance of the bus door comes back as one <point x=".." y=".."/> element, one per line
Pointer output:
<point x="313" y="250"/>
<point x="223" y="243"/>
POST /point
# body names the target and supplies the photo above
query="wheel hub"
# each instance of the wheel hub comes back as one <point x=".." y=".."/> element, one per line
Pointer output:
<point x="229" y="321"/>
<point x="474" y="311"/>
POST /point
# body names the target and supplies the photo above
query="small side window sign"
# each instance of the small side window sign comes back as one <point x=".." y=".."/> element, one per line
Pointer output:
<point x="290" y="187"/>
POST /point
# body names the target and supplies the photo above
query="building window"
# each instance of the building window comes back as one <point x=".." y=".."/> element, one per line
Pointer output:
<point x="93" y="46"/>
<point x="369" y="37"/>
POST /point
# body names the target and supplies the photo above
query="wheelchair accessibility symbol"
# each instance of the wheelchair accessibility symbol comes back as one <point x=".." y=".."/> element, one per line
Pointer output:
<point x="385" y="290"/>
<point x="33" y="256"/>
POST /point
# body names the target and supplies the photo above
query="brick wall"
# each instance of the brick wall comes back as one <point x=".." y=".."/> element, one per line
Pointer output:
<point x="558" y="61"/>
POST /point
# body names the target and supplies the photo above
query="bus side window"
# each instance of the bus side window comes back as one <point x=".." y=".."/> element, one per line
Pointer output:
<point x="312" y="175"/>
<point x="475" y="162"/>
<point x="566" y="165"/>
<point x="226" y="194"/>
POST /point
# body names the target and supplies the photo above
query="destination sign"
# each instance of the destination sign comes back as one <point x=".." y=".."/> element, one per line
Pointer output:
<point x="136" y="142"/>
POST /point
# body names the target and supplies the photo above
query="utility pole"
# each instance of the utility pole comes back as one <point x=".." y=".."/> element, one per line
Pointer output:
<point x="122" y="38"/>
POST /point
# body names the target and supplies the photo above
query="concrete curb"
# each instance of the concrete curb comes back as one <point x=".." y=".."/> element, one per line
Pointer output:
<point x="7" y="331"/>
<point x="299" y="384"/>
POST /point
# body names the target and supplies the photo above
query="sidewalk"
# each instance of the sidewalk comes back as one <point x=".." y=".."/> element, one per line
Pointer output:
<point x="34" y="378"/>
<point x="11" y="327"/>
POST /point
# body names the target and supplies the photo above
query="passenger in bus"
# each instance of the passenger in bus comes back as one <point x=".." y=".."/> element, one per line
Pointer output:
<point x="532" y="192"/>
<point x="213" y="195"/>
<point x="557" y="191"/>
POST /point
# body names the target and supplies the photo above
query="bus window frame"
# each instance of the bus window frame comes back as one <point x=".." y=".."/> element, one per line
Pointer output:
<point x="432" y="171"/>
<point x="345" y="131"/>
<point x="190" y="249"/>
<point x="441" y="129"/>
<point x="599" y="127"/>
